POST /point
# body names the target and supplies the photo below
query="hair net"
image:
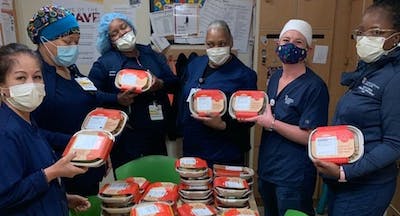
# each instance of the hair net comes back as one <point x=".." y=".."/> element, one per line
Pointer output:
<point x="103" y="42"/>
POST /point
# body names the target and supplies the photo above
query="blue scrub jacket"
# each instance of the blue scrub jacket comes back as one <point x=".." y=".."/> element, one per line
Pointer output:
<point x="24" y="152"/>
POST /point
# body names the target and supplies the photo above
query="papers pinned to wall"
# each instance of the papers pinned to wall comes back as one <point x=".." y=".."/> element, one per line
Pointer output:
<point x="189" y="22"/>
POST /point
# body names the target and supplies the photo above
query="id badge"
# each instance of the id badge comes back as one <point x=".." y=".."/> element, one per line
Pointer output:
<point x="192" y="91"/>
<point x="155" y="112"/>
<point x="85" y="84"/>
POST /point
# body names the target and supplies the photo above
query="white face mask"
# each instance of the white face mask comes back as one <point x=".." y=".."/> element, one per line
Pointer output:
<point x="127" y="42"/>
<point x="370" y="49"/>
<point x="219" y="55"/>
<point x="26" y="97"/>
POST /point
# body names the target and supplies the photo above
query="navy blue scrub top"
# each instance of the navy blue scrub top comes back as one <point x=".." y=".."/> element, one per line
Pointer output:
<point x="303" y="102"/>
<point x="199" y="140"/>
<point x="372" y="104"/>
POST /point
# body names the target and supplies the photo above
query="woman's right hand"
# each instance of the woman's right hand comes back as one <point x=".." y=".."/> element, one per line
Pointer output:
<point x="126" y="98"/>
<point x="64" y="168"/>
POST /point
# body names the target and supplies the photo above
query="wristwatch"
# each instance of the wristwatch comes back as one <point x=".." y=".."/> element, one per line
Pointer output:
<point x="342" y="175"/>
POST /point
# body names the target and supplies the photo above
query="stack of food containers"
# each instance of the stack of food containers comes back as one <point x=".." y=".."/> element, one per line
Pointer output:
<point x="231" y="192"/>
<point x="118" y="197"/>
<point x="196" y="180"/>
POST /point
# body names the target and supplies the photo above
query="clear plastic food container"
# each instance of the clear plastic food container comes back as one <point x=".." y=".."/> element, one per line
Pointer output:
<point x="207" y="102"/>
<point x="338" y="144"/>
<point x="247" y="103"/>
<point x="111" y="120"/>
<point x="127" y="79"/>
<point x="92" y="147"/>
<point x="120" y="192"/>
<point x="161" y="191"/>
<point x="191" y="167"/>
<point x="233" y="171"/>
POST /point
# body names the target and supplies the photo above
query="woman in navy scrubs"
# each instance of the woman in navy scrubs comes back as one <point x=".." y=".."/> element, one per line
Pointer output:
<point x="149" y="112"/>
<point x="371" y="104"/>
<point x="298" y="104"/>
<point x="30" y="170"/>
<point x="69" y="95"/>
<point x="221" y="140"/>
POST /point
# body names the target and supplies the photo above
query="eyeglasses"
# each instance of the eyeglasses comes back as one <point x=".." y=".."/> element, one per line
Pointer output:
<point x="374" y="32"/>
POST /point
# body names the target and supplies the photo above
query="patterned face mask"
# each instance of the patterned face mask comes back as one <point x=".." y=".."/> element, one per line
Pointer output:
<point x="290" y="53"/>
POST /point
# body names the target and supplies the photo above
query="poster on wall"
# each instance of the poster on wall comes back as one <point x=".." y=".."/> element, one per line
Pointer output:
<point x="9" y="34"/>
<point x="88" y="14"/>
<point x="158" y="5"/>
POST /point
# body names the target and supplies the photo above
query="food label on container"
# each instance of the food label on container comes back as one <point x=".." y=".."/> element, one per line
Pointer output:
<point x="87" y="142"/>
<point x="128" y="79"/>
<point x="326" y="146"/>
<point x="157" y="192"/>
<point x="242" y="103"/>
<point x="234" y="168"/>
<point x="187" y="161"/>
<point x="96" y="122"/>
<point x="204" y="103"/>
<point x="234" y="184"/>
<point x="147" y="210"/>
<point x="201" y="212"/>
<point x="117" y="186"/>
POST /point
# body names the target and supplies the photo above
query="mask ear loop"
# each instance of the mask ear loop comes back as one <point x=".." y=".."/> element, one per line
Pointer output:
<point x="43" y="40"/>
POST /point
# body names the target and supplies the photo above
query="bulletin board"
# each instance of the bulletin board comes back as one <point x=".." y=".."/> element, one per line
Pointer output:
<point x="186" y="21"/>
<point x="8" y="22"/>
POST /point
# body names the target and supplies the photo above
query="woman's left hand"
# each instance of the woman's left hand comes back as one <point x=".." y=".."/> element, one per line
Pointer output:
<point x="157" y="84"/>
<point x="327" y="168"/>
<point x="212" y="120"/>
<point x="78" y="203"/>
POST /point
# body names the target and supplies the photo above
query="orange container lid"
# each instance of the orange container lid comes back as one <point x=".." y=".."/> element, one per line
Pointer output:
<point x="91" y="146"/>
<point x="338" y="144"/>
<point x="111" y="120"/>
<point x="152" y="209"/>
<point x="240" y="212"/>
<point x="123" y="187"/>
<point x="208" y="102"/>
<point x="161" y="191"/>
<point x="132" y="78"/>
<point x="196" y="209"/>
<point x="190" y="163"/>
<point x="247" y="103"/>
<point x="231" y="182"/>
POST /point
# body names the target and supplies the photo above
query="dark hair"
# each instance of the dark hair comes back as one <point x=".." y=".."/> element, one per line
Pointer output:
<point x="8" y="57"/>
<point x="392" y="7"/>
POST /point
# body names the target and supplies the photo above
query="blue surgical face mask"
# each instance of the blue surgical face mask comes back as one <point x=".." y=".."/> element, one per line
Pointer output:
<point x="290" y="53"/>
<point x="66" y="55"/>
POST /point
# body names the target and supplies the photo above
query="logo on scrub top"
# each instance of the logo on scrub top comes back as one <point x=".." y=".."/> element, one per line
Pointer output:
<point x="288" y="100"/>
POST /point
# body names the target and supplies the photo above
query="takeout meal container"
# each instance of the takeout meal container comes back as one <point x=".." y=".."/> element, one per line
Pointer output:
<point x="338" y="144"/>
<point x="152" y="209"/>
<point x="161" y="191"/>
<point x="231" y="187"/>
<point x="111" y="120"/>
<point x="92" y="147"/>
<point x="196" y="209"/>
<point x="127" y="79"/>
<point x="232" y="202"/>
<point x="142" y="182"/>
<point x="191" y="167"/>
<point x="247" y="104"/>
<point x="206" y="102"/>
<point x="239" y="212"/>
<point x="120" y="192"/>
<point x="117" y="211"/>
<point x="203" y="180"/>
<point x="222" y="208"/>
<point x="233" y="171"/>
<point x="200" y="194"/>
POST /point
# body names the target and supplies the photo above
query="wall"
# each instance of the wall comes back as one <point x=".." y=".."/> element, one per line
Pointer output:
<point x="25" y="10"/>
